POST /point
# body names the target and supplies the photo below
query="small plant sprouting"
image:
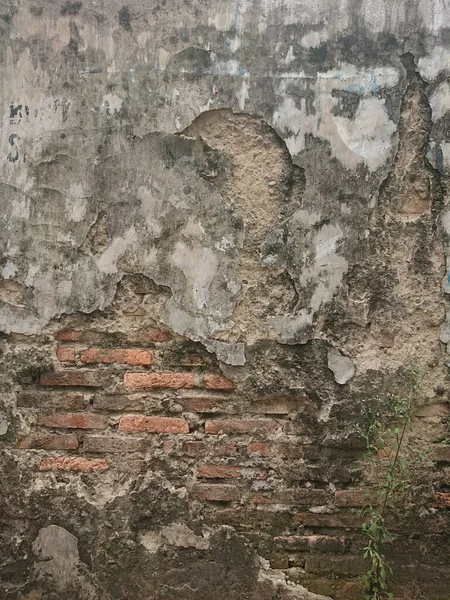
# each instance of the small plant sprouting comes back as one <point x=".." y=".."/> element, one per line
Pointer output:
<point x="384" y="433"/>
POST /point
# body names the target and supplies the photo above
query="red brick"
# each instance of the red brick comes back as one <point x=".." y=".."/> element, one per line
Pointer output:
<point x="311" y="543"/>
<point x="240" y="426"/>
<point x="153" y="424"/>
<point x="355" y="498"/>
<point x="259" y="448"/>
<point x="442" y="499"/>
<point x="71" y="378"/>
<point x="207" y="405"/>
<point x="74" y="421"/>
<point x="112" y="444"/>
<point x="218" y="472"/>
<point x="51" y="441"/>
<point x="194" y="449"/>
<point x="68" y="335"/>
<point x="65" y="353"/>
<point x="217" y="382"/>
<point x="118" y="355"/>
<point x="73" y="463"/>
<point x="158" y="335"/>
<point x="342" y="565"/>
<point x="54" y="400"/>
<point x="225" y="449"/>
<point x="215" y="492"/>
<point x="298" y="496"/>
<point x="330" y="521"/>
<point x="159" y="380"/>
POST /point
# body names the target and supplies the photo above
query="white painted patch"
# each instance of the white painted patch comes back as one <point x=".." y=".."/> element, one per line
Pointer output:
<point x="369" y="134"/>
<point x="445" y="149"/>
<point x="440" y="101"/>
<point x="242" y="96"/>
<point x="343" y="367"/>
<point x="76" y="208"/>
<point x="193" y="229"/>
<point x="163" y="59"/>
<point x="9" y="270"/>
<point x="179" y="535"/>
<point x="224" y="244"/>
<point x="199" y="266"/>
<point x="314" y="39"/>
<point x="374" y="15"/>
<point x="435" y="62"/>
<point x="435" y="14"/>
<point x="107" y="261"/>
<point x="32" y="270"/>
<point x="365" y="138"/>
<point x="111" y="104"/>
<point x="289" y="56"/>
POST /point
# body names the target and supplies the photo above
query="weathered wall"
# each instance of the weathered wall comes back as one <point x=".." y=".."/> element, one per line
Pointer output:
<point x="223" y="232"/>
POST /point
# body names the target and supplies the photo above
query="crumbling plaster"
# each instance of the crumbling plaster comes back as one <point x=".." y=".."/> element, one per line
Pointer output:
<point x="88" y="98"/>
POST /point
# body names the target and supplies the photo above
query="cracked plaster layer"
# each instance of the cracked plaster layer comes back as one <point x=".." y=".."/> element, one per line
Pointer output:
<point x="83" y="94"/>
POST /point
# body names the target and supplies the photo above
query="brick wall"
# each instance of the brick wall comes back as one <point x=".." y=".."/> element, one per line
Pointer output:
<point x="130" y="403"/>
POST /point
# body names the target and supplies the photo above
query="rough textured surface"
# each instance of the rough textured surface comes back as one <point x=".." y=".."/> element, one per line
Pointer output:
<point x="223" y="232"/>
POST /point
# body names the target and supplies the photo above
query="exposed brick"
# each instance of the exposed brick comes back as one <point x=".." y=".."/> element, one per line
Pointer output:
<point x="68" y="335"/>
<point x="153" y="424"/>
<point x="206" y="405"/>
<point x="218" y="472"/>
<point x="355" y="498"/>
<point x="194" y="449"/>
<point x="225" y="449"/>
<point x="117" y="402"/>
<point x="215" y="492"/>
<point x="217" y="382"/>
<point x="51" y="441"/>
<point x="65" y="353"/>
<point x="311" y="543"/>
<point x="71" y="378"/>
<point x="73" y="463"/>
<point x="442" y="499"/>
<point x="102" y="443"/>
<point x="340" y="521"/>
<point x="259" y="448"/>
<point x="74" y="421"/>
<point x="158" y="335"/>
<point x="241" y="426"/>
<point x="299" y="496"/>
<point x="440" y="454"/>
<point x="118" y="355"/>
<point x="68" y="401"/>
<point x="159" y="380"/>
<point x="342" y="565"/>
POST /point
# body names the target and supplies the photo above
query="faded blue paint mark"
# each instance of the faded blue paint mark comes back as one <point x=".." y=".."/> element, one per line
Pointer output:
<point x="373" y="82"/>
<point x="356" y="88"/>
